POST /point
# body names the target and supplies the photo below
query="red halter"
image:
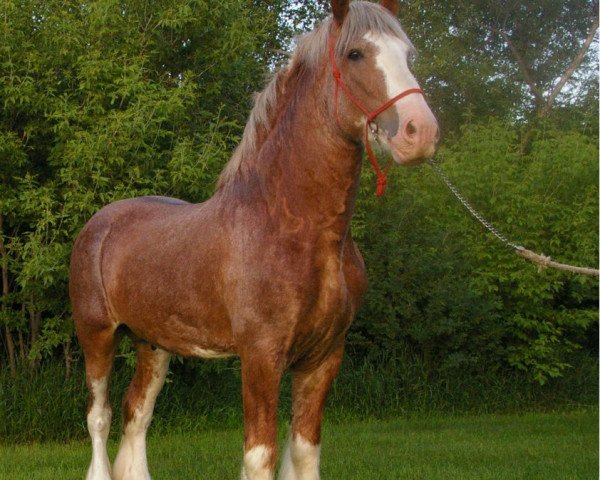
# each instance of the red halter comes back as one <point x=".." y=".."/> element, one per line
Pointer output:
<point x="371" y="115"/>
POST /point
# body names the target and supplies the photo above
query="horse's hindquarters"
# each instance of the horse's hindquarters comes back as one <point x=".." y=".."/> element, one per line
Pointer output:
<point x="155" y="271"/>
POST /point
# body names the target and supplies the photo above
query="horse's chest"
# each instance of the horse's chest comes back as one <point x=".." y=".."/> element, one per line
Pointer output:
<point x="327" y="313"/>
<point x="332" y="300"/>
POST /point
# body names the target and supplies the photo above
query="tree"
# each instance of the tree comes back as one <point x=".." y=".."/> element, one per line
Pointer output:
<point x="101" y="101"/>
<point x="114" y="99"/>
<point x="508" y="59"/>
<point x="446" y="293"/>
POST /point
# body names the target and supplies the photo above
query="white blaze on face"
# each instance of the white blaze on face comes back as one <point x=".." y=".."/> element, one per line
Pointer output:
<point x="392" y="60"/>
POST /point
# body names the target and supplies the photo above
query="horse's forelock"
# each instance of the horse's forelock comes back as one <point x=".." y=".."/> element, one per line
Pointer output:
<point x="363" y="17"/>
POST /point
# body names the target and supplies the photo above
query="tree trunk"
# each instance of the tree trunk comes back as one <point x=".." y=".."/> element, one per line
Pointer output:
<point x="10" y="343"/>
<point x="4" y="262"/>
<point x="68" y="359"/>
<point x="22" y="352"/>
<point x="24" y="348"/>
<point x="34" y="325"/>
<point x="10" y="347"/>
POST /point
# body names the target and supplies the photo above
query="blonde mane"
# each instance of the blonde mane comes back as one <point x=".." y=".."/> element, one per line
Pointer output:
<point x="363" y="17"/>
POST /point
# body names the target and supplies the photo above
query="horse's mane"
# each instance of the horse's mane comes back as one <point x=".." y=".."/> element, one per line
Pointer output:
<point x="363" y="17"/>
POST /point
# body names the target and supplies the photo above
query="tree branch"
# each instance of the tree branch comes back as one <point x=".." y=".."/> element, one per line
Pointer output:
<point x="10" y="344"/>
<point x="543" y="111"/>
<point x="539" y="98"/>
<point x="569" y="71"/>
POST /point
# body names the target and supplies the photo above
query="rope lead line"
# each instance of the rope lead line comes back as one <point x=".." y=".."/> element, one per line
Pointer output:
<point x="542" y="261"/>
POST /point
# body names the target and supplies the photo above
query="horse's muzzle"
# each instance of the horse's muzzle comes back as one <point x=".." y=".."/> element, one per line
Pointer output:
<point x="417" y="136"/>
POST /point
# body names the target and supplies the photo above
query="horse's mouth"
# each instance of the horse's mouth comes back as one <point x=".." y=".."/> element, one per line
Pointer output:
<point x="408" y="154"/>
<point x="415" y="157"/>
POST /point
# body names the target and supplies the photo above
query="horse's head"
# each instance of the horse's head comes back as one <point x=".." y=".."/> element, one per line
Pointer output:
<point x="369" y="55"/>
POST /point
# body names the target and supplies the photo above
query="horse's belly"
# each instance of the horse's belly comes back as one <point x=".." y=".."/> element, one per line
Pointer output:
<point x="171" y="303"/>
<point x="196" y="336"/>
<point x="182" y="330"/>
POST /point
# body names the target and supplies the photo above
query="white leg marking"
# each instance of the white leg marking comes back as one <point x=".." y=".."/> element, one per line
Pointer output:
<point x="300" y="460"/>
<point x="98" y="421"/>
<point x="131" y="463"/>
<point x="207" y="353"/>
<point x="256" y="464"/>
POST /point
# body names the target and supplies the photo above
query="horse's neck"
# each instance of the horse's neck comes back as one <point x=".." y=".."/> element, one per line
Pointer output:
<point x="305" y="170"/>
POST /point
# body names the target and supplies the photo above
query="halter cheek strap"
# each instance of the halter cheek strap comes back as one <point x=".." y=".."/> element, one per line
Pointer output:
<point x="369" y="114"/>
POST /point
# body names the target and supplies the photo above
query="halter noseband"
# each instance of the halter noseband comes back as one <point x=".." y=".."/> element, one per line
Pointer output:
<point x="370" y="114"/>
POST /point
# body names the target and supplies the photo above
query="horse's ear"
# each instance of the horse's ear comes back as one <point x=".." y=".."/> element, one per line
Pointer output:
<point x="391" y="5"/>
<point x="340" y="10"/>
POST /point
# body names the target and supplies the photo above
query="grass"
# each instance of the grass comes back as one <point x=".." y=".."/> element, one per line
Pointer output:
<point x="43" y="406"/>
<point x="546" y="446"/>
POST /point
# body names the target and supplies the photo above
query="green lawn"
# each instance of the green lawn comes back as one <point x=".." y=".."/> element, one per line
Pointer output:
<point x="531" y="446"/>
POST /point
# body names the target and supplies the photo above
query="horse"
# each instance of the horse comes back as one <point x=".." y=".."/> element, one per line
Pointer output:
<point x="266" y="269"/>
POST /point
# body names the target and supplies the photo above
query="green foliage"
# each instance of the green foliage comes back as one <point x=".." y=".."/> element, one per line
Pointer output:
<point x="114" y="99"/>
<point x="442" y="287"/>
<point x="466" y="63"/>
<point x="199" y="395"/>
<point x="104" y="101"/>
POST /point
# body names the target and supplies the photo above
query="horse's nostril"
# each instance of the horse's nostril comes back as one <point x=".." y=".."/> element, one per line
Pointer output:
<point x="411" y="130"/>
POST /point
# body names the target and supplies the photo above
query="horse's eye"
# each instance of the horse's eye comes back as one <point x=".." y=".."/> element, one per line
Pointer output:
<point x="355" y="55"/>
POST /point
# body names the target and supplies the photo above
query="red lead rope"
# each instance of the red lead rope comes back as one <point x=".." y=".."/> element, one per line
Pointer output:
<point x="370" y="115"/>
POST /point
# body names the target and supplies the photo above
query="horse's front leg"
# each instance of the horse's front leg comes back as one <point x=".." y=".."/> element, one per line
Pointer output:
<point x="309" y="391"/>
<point x="261" y="377"/>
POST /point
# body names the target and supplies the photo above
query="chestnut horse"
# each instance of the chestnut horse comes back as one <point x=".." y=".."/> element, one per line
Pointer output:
<point x="266" y="269"/>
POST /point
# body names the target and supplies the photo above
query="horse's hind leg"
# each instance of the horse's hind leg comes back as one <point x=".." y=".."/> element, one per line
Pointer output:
<point x="138" y="405"/>
<point x="309" y="391"/>
<point x="99" y="347"/>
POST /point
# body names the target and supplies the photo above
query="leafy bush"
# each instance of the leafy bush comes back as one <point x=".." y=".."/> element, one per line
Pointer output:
<point x="106" y="100"/>
<point x="444" y="288"/>
<point x="103" y="101"/>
